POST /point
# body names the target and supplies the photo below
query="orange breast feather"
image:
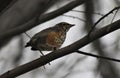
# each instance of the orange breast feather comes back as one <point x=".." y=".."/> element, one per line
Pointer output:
<point x="51" y="39"/>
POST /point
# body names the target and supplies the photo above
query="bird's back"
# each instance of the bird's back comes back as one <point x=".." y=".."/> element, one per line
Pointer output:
<point x="44" y="33"/>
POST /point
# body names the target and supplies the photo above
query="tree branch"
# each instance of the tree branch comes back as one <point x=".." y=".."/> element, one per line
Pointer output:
<point x="92" y="28"/>
<point x="62" y="52"/>
<point x="98" y="56"/>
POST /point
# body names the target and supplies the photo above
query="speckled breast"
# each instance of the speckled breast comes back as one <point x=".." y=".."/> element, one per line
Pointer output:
<point x="55" y="39"/>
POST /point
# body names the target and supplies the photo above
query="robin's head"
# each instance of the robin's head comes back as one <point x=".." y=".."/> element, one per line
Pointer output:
<point x="65" y="26"/>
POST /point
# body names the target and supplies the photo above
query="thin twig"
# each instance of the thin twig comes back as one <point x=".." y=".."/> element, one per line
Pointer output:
<point x="92" y="28"/>
<point x="74" y="17"/>
<point x="85" y="12"/>
<point x="113" y="18"/>
<point x="27" y="35"/>
<point x="114" y="15"/>
<point x="98" y="56"/>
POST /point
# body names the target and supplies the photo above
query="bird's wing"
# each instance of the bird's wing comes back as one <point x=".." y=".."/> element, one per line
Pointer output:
<point x="40" y="37"/>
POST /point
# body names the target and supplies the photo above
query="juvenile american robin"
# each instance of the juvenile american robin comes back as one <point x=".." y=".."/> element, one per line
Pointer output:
<point x="51" y="38"/>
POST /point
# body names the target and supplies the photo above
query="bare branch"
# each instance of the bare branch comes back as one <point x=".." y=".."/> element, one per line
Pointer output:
<point x="98" y="56"/>
<point x="85" y="12"/>
<point x="92" y="28"/>
<point x="114" y="15"/>
<point x="74" y="17"/>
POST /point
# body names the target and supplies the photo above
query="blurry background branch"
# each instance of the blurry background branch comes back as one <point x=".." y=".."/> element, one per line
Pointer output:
<point x="4" y="4"/>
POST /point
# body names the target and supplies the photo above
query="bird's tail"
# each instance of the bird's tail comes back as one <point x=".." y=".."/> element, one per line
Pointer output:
<point x="27" y="45"/>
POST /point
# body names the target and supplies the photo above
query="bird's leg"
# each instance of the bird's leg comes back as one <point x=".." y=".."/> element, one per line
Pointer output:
<point x="41" y="52"/>
<point x="43" y="55"/>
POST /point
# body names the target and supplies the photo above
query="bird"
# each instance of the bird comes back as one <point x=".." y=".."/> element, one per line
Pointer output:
<point x="50" y="39"/>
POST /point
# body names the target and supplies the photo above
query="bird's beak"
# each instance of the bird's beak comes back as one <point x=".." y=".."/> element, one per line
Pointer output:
<point x="72" y="25"/>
